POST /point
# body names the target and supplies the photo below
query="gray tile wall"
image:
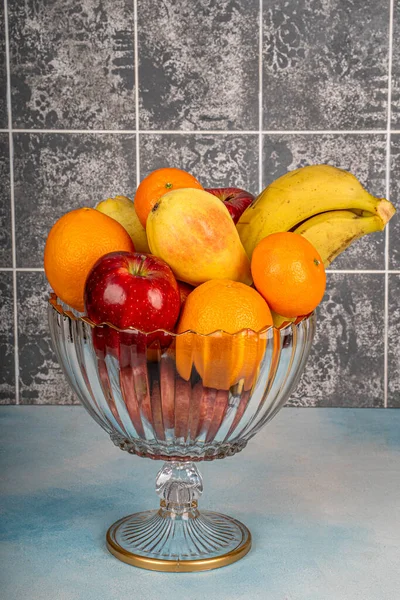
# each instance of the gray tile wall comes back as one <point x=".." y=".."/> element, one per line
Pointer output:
<point x="103" y="91"/>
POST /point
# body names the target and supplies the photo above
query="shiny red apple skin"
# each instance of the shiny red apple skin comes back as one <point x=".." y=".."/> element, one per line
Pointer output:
<point x="236" y="200"/>
<point x="184" y="291"/>
<point x="132" y="290"/>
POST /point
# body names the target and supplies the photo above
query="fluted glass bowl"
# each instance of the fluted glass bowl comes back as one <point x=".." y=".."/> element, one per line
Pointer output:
<point x="181" y="399"/>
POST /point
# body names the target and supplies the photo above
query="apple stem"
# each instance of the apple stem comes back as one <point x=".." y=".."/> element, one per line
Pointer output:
<point x="136" y="269"/>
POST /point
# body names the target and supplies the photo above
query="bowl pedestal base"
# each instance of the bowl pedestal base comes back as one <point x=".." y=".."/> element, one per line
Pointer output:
<point x="178" y="537"/>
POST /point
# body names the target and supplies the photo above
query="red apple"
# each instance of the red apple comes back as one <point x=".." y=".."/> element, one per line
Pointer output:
<point x="184" y="291"/>
<point x="236" y="200"/>
<point x="132" y="290"/>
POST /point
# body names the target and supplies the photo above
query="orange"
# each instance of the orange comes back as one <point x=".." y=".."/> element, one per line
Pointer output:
<point x="75" y="242"/>
<point x="233" y="313"/>
<point x="289" y="273"/>
<point x="158" y="183"/>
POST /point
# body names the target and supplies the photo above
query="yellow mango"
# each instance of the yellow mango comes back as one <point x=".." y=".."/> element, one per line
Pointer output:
<point x="194" y="233"/>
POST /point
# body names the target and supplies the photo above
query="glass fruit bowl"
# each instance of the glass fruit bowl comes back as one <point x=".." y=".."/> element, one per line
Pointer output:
<point x="181" y="399"/>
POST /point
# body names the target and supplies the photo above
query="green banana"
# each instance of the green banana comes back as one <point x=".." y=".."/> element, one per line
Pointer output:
<point x="301" y="194"/>
<point x="332" y="232"/>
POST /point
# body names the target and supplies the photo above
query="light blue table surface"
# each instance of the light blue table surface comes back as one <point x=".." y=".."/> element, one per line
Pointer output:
<point x="319" y="489"/>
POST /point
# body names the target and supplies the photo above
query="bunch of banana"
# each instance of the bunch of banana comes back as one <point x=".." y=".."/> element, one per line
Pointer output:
<point x="326" y="205"/>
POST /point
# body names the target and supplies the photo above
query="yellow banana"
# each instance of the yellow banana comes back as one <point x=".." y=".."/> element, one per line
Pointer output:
<point x="301" y="194"/>
<point x="361" y="213"/>
<point x="332" y="232"/>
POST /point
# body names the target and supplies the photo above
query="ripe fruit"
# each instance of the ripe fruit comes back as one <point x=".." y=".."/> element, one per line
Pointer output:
<point x="222" y="308"/>
<point x="289" y="273"/>
<point x="158" y="183"/>
<point x="332" y="232"/>
<point x="301" y="194"/>
<point x="236" y="200"/>
<point x="184" y="290"/>
<point x="75" y="242"/>
<point x="224" y="305"/>
<point x="132" y="290"/>
<point x="122" y="210"/>
<point x="194" y="233"/>
<point x="281" y="322"/>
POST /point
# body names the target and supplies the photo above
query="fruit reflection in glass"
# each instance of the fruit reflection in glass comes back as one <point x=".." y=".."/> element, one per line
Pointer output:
<point x="163" y="398"/>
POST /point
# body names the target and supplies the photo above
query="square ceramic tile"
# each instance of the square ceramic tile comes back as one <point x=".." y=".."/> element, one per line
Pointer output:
<point x="325" y="64"/>
<point x="393" y="342"/>
<point x="396" y="67"/>
<point x="346" y="364"/>
<point x="3" y="73"/>
<point x="216" y="160"/>
<point x="7" y="362"/>
<point x="363" y="155"/>
<point x="394" y="228"/>
<point x="41" y="380"/>
<point x="5" y="203"/>
<point x="72" y="64"/>
<point x="198" y="64"/>
<point x="55" y="173"/>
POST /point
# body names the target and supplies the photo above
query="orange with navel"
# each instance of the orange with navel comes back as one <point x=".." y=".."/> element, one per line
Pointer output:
<point x="228" y="316"/>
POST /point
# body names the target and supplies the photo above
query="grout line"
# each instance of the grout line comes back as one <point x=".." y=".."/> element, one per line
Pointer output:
<point x="136" y="54"/>
<point x="357" y="271"/>
<point x="205" y="131"/>
<point x="260" y="99"/>
<point x="13" y="246"/>
<point x="326" y="132"/>
<point x="77" y="131"/>
<point x="29" y="269"/>
<point x="340" y="271"/>
<point x="388" y="140"/>
<point x="146" y="131"/>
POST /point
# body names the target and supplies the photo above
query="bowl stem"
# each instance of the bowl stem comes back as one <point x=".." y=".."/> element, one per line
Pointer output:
<point x="178" y="537"/>
<point x="179" y="486"/>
